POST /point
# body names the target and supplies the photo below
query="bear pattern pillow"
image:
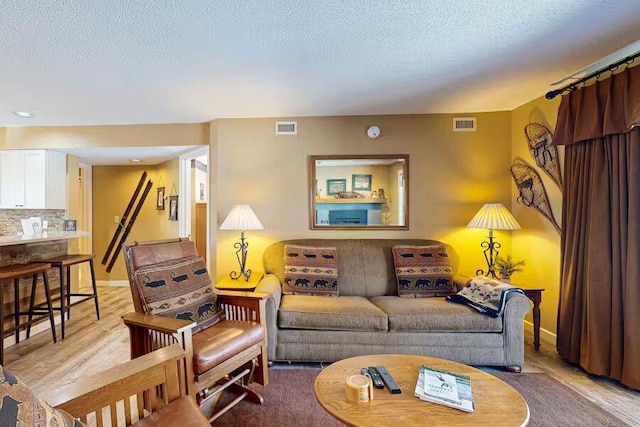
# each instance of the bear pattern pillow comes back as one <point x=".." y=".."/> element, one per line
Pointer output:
<point x="310" y="270"/>
<point x="180" y="289"/>
<point x="423" y="271"/>
<point x="20" y="407"/>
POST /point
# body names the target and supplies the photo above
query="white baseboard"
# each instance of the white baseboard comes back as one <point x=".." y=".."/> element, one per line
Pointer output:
<point x="545" y="335"/>
<point x="113" y="283"/>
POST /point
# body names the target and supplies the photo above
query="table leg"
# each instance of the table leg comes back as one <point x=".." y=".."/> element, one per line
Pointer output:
<point x="536" y="325"/>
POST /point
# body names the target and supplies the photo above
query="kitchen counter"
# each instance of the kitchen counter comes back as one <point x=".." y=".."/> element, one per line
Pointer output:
<point x="47" y="236"/>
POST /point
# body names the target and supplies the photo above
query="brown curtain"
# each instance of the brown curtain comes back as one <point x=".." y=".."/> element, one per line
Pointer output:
<point x="599" y="308"/>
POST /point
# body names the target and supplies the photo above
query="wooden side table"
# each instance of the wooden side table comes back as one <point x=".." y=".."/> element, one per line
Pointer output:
<point x="535" y="295"/>
<point x="229" y="284"/>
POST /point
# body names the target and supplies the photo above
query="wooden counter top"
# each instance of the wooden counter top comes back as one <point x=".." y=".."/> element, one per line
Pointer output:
<point x="47" y="236"/>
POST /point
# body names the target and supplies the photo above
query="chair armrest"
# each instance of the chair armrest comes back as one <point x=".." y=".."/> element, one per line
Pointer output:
<point x="241" y="295"/>
<point x="105" y="389"/>
<point x="165" y="325"/>
<point x="243" y="305"/>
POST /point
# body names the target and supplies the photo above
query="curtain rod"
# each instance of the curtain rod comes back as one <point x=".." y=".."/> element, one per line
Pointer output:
<point x="573" y="86"/>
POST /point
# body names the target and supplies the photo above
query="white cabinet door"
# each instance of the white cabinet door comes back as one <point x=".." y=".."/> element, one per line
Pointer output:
<point x="34" y="180"/>
<point x="11" y="180"/>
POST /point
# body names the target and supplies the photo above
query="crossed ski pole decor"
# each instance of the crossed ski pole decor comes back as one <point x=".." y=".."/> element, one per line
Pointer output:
<point x="126" y="222"/>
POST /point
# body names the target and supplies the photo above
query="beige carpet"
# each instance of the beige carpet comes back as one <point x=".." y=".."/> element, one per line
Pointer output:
<point x="289" y="401"/>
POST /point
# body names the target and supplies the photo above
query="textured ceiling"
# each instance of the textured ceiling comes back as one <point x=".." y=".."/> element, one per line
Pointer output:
<point x="161" y="61"/>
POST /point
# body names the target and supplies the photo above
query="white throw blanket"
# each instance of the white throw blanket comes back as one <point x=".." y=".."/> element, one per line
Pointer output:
<point x="488" y="296"/>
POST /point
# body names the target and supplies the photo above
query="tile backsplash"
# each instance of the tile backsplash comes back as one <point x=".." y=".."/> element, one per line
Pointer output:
<point x="10" y="219"/>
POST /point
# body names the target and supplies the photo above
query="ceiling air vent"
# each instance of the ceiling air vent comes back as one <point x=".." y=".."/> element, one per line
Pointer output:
<point x="286" y="128"/>
<point x="464" y="124"/>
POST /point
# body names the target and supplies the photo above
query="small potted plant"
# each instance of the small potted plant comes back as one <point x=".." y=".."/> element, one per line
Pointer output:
<point x="507" y="266"/>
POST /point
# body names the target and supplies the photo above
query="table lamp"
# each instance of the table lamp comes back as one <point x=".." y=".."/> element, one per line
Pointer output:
<point x="241" y="218"/>
<point x="492" y="216"/>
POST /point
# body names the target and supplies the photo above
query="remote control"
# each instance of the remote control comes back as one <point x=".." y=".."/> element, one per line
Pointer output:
<point x="388" y="380"/>
<point x="365" y="372"/>
<point x="375" y="377"/>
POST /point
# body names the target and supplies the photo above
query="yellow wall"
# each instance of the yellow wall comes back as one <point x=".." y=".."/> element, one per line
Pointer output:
<point x="451" y="176"/>
<point x="538" y="243"/>
<point x="104" y="136"/>
<point x="113" y="187"/>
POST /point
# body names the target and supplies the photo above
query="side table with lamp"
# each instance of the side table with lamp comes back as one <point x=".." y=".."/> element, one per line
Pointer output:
<point x="494" y="216"/>
<point x="241" y="218"/>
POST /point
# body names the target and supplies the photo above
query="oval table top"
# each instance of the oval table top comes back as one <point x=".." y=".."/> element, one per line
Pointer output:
<point x="496" y="402"/>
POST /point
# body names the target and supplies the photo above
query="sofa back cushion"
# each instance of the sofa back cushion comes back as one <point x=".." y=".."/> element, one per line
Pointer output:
<point x="423" y="271"/>
<point x="310" y="270"/>
<point x="365" y="266"/>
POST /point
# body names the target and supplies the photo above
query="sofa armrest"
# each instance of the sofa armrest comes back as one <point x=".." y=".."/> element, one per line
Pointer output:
<point x="516" y="307"/>
<point x="270" y="285"/>
<point x="105" y="389"/>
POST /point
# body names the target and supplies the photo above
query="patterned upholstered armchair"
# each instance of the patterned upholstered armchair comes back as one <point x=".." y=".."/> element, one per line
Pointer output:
<point x="223" y="333"/>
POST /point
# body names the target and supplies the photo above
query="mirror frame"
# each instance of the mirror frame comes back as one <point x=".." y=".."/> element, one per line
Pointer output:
<point x="312" y="191"/>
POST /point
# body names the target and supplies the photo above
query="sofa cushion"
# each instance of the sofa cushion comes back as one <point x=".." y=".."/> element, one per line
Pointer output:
<point x="180" y="289"/>
<point x="20" y="407"/>
<point x="310" y="270"/>
<point x="433" y="315"/>
<point x="345" y="313"/>
<point x="423" y="271"/>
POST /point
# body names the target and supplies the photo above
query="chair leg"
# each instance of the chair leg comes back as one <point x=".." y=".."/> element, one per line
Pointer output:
<point x="47" y="293"/>
<point x="95" y="288"/>
<point x="1" y="326"/>
<point x="68" y="292"/>
<point x="32" y="300"/>
<point x="63" y="299"/>
<point x="16" y="307"/>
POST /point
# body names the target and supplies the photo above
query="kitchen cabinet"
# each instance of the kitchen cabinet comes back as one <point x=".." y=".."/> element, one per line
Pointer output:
<point x="33" y="179"/>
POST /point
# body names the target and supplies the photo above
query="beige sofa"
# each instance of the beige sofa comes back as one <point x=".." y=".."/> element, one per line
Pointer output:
<point x="368" y="317"/>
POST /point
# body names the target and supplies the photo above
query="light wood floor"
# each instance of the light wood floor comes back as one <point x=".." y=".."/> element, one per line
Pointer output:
<point x="92" y="346"/>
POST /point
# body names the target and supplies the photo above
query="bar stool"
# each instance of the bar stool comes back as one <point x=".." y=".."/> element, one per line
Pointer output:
<point x="16" y="272"/>
<point x="64" y="263"/>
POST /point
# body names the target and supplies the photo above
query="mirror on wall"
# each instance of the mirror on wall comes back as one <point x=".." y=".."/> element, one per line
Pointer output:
<point x="359" y="191"/>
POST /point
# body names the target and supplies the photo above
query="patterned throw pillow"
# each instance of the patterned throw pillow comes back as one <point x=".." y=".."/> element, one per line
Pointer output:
<point x="181" y="289"/>
<point x="423" y="271"/>
<point x="310" y="270"/>
<point x="19" y="406"/>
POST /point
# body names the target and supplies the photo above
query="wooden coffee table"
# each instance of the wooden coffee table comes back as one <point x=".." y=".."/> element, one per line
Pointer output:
<point x="496" y="402"/>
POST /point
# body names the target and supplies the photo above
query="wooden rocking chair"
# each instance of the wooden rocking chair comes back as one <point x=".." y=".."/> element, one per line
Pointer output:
<point x="229" y="354"/>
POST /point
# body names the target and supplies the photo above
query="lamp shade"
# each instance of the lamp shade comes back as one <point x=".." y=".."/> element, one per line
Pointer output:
<point x="494" y="216"/>
<point x="241" y="218"/>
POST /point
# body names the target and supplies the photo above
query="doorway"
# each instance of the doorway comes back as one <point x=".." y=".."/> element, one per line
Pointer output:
<point x="401" y="208"/>
<point x="194" y="200"/>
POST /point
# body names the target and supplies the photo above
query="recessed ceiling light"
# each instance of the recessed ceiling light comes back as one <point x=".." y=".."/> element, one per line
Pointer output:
<point x="23" y="114"/>
<point x="135" y="160"/>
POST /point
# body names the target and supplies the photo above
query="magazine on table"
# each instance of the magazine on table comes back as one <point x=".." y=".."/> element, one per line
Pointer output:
<point x="444" y="387"/>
